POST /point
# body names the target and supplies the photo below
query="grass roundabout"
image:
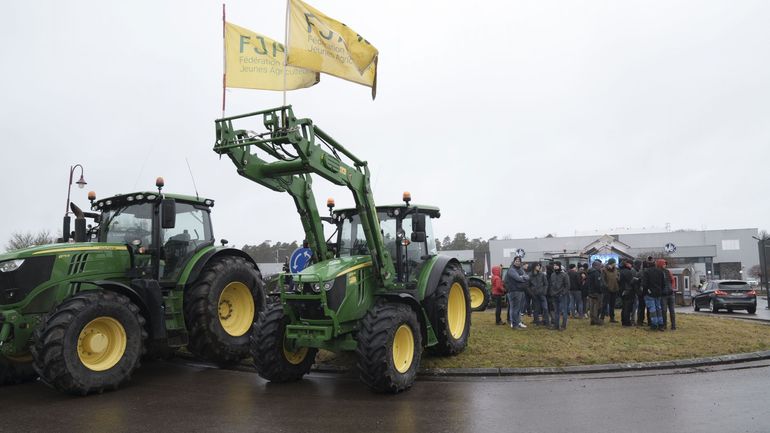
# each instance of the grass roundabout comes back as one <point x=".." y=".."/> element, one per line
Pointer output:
<point x="493" y="345"/>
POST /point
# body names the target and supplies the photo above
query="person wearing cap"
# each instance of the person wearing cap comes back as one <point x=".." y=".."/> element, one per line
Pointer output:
<point x="558" y="289"/>
<point x="595" y="291"/>
<point x="612" y="283"/>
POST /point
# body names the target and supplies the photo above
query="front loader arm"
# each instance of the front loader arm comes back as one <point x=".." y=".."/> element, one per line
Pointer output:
<point x="291" y="144"/>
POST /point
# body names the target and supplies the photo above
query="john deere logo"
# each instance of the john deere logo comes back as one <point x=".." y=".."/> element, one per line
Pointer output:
<point x="669" y="248"/>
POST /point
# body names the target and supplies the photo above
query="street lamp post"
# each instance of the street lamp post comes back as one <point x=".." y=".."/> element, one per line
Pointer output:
<point x="80" y="183"/>
<point x="764" y="267"/>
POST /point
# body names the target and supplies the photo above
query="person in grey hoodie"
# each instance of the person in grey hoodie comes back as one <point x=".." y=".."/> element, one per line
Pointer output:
<point x="516" y="283"/>
<point x="538" y="290"/>
<point x="559" y="292"/>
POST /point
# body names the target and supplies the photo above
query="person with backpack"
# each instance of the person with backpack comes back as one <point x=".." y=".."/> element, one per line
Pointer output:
<point x="516" y="283"/>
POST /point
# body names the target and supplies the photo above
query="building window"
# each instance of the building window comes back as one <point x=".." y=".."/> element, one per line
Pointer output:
<point x="731" y="244"/>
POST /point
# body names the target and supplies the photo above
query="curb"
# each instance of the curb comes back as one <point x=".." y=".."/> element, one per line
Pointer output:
<point x="600" y="368"/>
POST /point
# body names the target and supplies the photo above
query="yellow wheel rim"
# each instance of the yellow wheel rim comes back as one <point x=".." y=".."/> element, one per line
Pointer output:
<point x="295" y="357"/>
<point x="101" y="343"/>
<point x="403" y="348"/>
<point x="236" y="309"/>
<point x="456" y="310"/>
<point x="477" y="297"/>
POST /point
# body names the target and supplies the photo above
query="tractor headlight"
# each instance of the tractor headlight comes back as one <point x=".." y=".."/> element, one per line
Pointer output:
<point x="328" y="285"/>
<point x="10" y="265"/>
<point x="316" y="287"/>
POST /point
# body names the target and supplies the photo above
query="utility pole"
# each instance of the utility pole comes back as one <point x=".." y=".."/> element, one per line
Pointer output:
<point x="763" y="257"/>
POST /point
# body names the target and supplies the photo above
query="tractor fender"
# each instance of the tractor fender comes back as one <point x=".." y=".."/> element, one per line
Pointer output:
<point x="146" y="295"/>
<point x="414" y="304"/>
<point x="436" y="271"/>
<point x="483" y="283"/>
<point x="195" y="267"/>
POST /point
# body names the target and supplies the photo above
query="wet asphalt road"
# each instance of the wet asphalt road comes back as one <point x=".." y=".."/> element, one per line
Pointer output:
<point x="184" y="397"/>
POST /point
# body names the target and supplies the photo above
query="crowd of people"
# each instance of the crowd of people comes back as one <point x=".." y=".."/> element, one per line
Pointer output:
<point x="550" y="295"/>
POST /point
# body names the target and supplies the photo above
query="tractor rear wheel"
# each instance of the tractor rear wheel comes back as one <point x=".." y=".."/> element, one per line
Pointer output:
<point x="389" y="347"/>
<point x="479" y="294"/>
<point x="273" y="359"/>
<point x="13" y="371"/>
<point x="221" y="307"/>
<point x="91" y="342"/>
<point x="449" y="310"/>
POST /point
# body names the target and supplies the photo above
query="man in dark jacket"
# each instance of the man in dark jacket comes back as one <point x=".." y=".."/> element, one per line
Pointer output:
<point x="538" y="291"/>
<point x="627" y="294"/>
<point x="559" y="292"/>
<point x="611" y="282"/>
<point x="575" y="297"/>
<point x="595" y="291"/>
<point x="516" y="282"/>
<point x="653" y="281"/>
<point x="640" y="308"/>
<point x="668" y="298"/>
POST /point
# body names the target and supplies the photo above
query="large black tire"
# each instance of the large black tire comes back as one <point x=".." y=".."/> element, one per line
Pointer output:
<point x="751" y="310"/>
<point x="449" y="311"/>
<point x="91" y="342"/>
<point x="15" y="371"/>
<point x="695" y="306"/>
<point x="713" y="307"/>
<point x="479" y="294"/>
<point x="389" y="347"/>
<point x="272" y="359"/>
<point x="220" y="308"/>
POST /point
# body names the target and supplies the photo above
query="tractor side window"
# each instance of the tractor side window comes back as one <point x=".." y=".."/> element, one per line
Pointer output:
<point x="128" y="225"/>
<point x="191" y="232"/>
<point x="353" y="238"/>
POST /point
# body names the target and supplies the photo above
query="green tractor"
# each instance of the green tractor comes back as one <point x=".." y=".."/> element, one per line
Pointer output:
<point x="479" y="290"/>
<point x="377" y="287"/>
<point x="147" y="280"/>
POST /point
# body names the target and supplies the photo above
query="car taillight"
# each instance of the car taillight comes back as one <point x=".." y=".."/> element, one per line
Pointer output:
<point x="751" y="293"/>
<point x="720" y="293"/>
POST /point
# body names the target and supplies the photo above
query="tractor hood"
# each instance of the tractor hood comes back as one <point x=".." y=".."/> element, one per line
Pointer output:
<point x="55" y="249"/>
<point x="331" y="269"/>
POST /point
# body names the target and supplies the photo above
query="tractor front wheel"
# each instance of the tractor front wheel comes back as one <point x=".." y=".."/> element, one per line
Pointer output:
<point x="91" y="342"/>
<point x="449" y="310"/>
<point x="221" y="307"/>
<point x="274" y="359"/>
<point x="479" y="294"/>
<point x="389" y="347"/>
<point x="13" y="371"/>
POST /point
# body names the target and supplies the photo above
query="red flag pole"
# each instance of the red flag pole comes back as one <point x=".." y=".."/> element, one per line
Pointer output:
<point x="224" y="61"/>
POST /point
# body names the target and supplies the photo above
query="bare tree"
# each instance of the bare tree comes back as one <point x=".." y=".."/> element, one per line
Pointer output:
<point x="27" y="239"/>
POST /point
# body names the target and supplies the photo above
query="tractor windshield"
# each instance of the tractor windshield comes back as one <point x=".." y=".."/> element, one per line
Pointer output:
<point x="127" y="224"/>
<point x="352" y="242"/>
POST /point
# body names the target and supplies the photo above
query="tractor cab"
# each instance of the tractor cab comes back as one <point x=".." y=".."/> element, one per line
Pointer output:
<point x="164" y="231"/>
<point x="406" y="230"/>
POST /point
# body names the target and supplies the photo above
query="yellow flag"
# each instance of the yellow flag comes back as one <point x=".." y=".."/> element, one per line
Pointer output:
<point x="323" y="44"/>
<point x="254" y="61"/>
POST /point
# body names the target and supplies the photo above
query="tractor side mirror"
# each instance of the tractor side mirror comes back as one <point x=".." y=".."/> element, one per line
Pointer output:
<point x="418" y="228"/>
<point x="168" y="213"/>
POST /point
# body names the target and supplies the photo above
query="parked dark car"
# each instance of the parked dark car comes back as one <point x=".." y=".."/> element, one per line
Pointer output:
<point x="726" y="295"/>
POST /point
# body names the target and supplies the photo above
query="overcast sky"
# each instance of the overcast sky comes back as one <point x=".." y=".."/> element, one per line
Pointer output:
<point x="517" y="118"/>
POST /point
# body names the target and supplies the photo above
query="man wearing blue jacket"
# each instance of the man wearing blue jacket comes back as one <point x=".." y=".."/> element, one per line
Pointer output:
<point x="516" y="282"/>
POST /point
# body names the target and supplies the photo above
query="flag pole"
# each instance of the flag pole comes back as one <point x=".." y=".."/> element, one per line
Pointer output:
<point x="224" y="60"/>
<point x="285" y="50"/>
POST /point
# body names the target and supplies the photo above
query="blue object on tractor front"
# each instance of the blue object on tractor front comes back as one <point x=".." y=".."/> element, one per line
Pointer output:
<point x="299" y="260"/>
